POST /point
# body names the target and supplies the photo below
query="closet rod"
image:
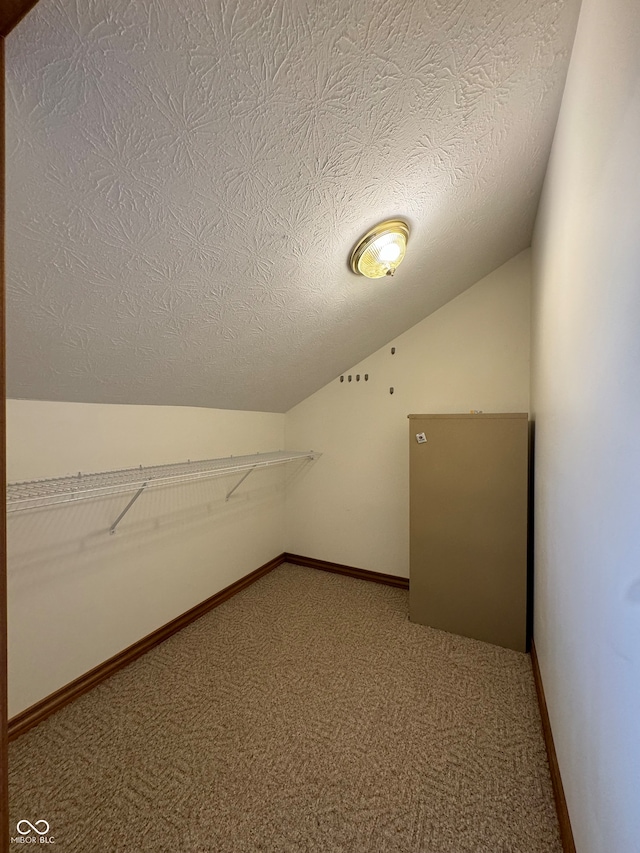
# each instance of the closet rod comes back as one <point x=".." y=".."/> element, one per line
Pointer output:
<point x="50" y="492"/>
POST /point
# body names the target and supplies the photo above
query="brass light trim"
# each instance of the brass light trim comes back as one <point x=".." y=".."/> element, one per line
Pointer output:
<point x="365" y="258"/>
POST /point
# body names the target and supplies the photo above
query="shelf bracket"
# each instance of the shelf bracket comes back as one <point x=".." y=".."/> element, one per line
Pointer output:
<point x="239" y="483"/>
<point x="56" y="491"/>
<point x="112" y="529"/>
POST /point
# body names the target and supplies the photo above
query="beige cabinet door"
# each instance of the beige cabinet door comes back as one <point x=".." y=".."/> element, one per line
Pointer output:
<point x="468" y="521"/>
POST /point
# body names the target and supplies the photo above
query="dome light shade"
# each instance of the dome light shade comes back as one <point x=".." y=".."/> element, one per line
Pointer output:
<point x="381" y="250"/>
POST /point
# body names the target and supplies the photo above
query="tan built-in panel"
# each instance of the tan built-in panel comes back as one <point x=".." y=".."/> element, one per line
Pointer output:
<point x="468" y="485"/>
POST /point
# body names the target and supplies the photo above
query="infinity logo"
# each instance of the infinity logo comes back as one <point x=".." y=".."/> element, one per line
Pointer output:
<point x="32" y="827"/>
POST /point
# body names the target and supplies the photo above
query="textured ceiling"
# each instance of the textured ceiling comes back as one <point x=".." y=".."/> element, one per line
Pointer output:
<point x="185" y="184"/>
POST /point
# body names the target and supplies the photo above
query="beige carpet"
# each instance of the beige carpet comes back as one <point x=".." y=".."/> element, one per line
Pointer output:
<point x="305" y="714"/>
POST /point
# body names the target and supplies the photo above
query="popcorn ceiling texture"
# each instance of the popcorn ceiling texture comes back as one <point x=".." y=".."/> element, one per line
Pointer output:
<point x="186" y="181"/>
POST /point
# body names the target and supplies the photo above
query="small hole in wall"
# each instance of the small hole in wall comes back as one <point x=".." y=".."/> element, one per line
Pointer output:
<point x="350" y="377"/>
<point x="366" y="377"/>
<point x="391" y="390"/>
<point x="342" y="379"/>
<point x="393" y="350"/>
<point x="357" y="377"/>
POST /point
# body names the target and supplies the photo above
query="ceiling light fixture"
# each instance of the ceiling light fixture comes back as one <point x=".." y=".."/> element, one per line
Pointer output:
<point x="381" y="250"/>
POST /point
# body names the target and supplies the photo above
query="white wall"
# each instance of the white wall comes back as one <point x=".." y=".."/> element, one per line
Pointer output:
<point x="352" y="507"/>
<point x="586" y="401"/>
<point x="78" y="595"/>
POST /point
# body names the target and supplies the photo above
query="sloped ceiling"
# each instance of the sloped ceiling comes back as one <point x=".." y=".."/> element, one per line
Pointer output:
<point x="186" y="181"/>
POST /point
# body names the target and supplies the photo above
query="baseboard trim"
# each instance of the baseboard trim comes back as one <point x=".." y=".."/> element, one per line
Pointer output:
<point x="350" y="571"/>
<point x="43" y="709"/>
<point x="39" y="712"/>
<point x="566" y="833"/>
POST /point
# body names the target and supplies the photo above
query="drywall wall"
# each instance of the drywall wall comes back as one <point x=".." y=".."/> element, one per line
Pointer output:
<point x="353" y="506"/>
<point x="78" y="595"/>
<point x="586" y="401"/>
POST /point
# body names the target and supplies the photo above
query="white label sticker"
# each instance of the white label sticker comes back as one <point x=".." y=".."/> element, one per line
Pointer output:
<point x="421" y="437"/>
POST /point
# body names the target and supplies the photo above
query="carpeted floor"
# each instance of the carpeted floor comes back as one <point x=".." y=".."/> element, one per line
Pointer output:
<point x="305" y="714"/>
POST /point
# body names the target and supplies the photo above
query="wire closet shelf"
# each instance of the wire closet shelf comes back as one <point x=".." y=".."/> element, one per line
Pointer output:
<point x="42" y="493"/>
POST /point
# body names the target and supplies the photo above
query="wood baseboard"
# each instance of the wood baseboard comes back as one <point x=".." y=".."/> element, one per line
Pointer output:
<point x="566" y="833"/>
<point x="39" y="712"/>
<point x="34" y="715"/>
<point x="350" y="571"/>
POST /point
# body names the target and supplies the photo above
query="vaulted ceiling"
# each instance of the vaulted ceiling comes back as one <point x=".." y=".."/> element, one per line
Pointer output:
<point x="185" y="183"/>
